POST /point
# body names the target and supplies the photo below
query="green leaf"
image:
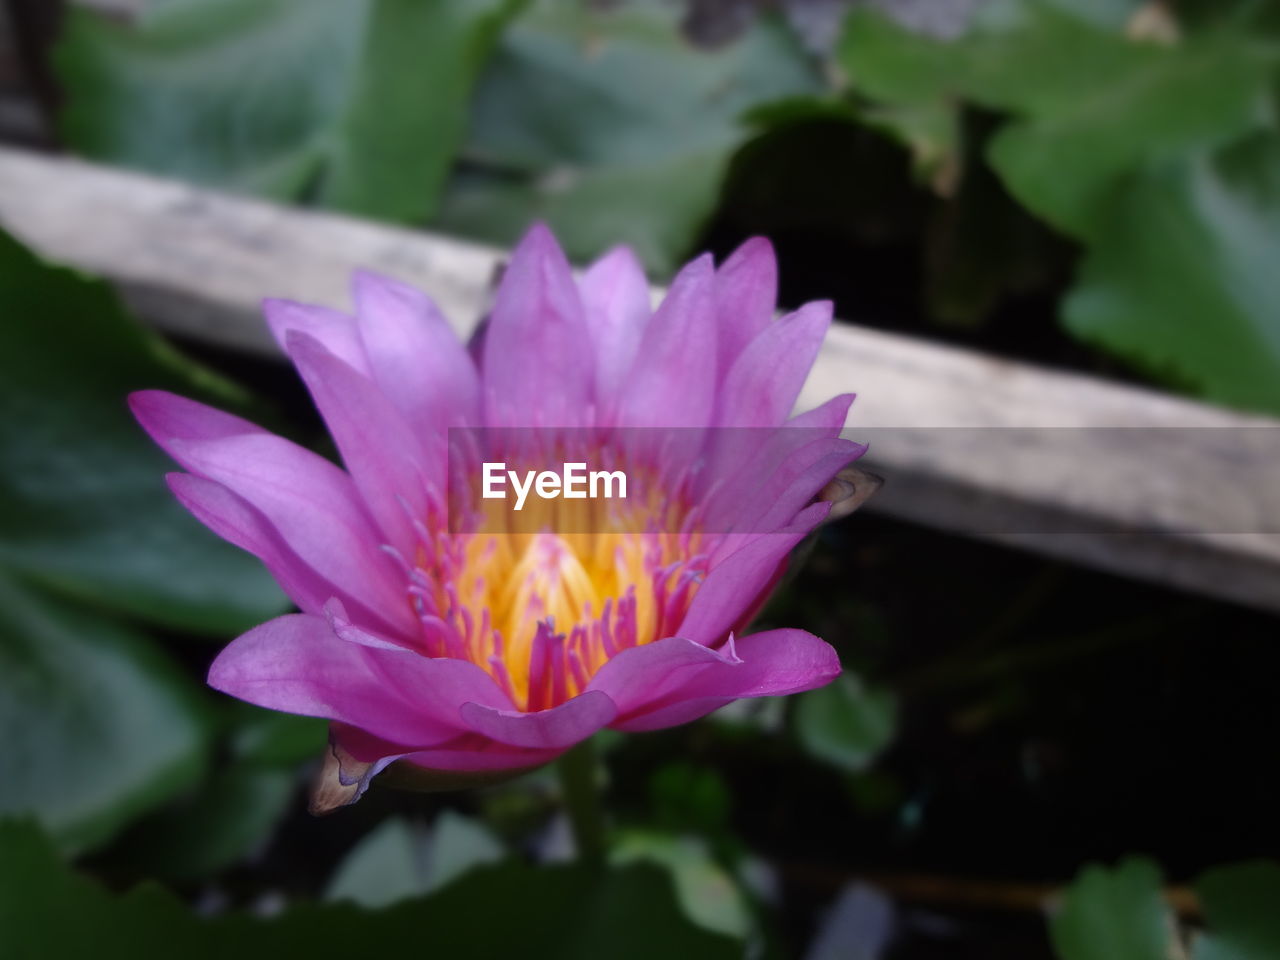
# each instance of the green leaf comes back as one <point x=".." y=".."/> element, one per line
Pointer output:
<point x="1064" y="161"/>
<point x="237" y="94"/>
<point x="270" y="739"/>
<point x="571" y="912"/>
<point x="1156" y="156"/>
<point x="388" y="865"/>
<point x="407" y="112"/>
<point x="930" y="130"/>
<point x="99" y="727"/>
<point x="687" y="796"/>
<point x="983" y="246"/>
<point x="1090" y="104"/>
<point x="1105" y="13"/>
<point x="656" y="209"/>
<point x="459" y="844"/>
<point x="846" y="723"/>
<point x="1109" y="914"/>
<point x="1239" y="902"/>
<point x="396" y="860"/>
<point x="230" y="816"/>
<point x="1182" y="281"/>
<point x="706" y="891"/>
<point x="83" y="504"/>
<point x="611" y="126"/>
<point x="360" y="101"/>
<point x="226" y="820"/>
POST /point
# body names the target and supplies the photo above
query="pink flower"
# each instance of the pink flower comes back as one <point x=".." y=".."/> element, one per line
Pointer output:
<point x="469" y="650"/>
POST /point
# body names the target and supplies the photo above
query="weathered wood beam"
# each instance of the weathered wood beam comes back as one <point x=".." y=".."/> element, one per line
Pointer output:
<point x="1119" y="478"/>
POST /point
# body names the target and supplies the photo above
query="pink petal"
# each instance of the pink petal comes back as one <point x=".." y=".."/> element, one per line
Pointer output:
<point x="734" y="586"/>
<point x="615" y="297"/>
<point x="292" y="486"/>
<point x="467" y="760"/>
<point x="762" y="385"/>
<point x="739" y="457"/>
<point x="166" y="415"/>
<point x="335" y="330"/>
<point x="364" y="746"/>
<point x="233" y="519"/>
<point x="746" y="293"/>
<point x="652" y="672"/>
<point x="474" y="752"/>
<point x="555" y="729"/>
<point x="384" y="457"/>
<point x="673" y="681"/>
<point x="795" y="483"/>
<point x="672" y="383"/>
<point x="537" y="354"/>
<point x="341" y="623"/>
<point x="828" y="417"/>
<point x="298" y="665"/>
<point x="415" y="356"/>
<point x="315" y="509"/>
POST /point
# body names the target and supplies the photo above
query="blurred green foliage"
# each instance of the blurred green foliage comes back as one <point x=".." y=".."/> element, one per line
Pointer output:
<point x="89" y="533"/>
<point x="576" y="913"/>
<point x="1148" y="141"/>
<point x="356" y="104"/>
<point x="1157" y="153"/>
<point x="118" y="730"/>
<point x="398" y="860"/>
<point x="83" y="504"/>
<point x="1239" y="903"/>
<point x="612" y="128"/>
<point x="1115" y="913"/>
<point x="232" y="813"/>
<point x="845" y="723"/>
<point x="223" y="820"/>
<point x="1122" y="912"/>
<point x="709" y="894"/>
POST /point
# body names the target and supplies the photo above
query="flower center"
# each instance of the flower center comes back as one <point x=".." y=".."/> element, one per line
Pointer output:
<point x="542" y="611"/>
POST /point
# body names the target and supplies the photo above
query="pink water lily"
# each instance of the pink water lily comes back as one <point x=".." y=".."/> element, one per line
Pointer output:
<point x="470" y="649"/>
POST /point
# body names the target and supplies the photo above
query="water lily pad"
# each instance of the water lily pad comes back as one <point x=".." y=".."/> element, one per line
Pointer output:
<point x="99" y="727"/>
<point x="83" y="504"/>
<point x="359" y="104"/>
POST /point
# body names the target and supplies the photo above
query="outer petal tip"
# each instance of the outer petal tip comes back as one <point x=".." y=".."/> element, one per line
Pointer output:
<point x="225" y="672"/>
<point x="369" y="286"/>
<point x="176" y="481"/>
<point x="141" y="401"/>
<point x="306" y="350"/>
<point x="540" y="245"/>
<point x="798" y="660"/>
<point x="278" y="313"/>
<point x="148" y="408"/>
<point x="621" y="257"/>
<point x="539" y="233"/>
<point x="755" y="251"/>
<point x="702" y="266"/>
<point x="677" y="680"/>
<point x="824" y="308"/>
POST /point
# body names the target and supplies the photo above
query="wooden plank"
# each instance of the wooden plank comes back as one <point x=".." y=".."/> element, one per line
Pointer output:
<point x="1119" y="478"/>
